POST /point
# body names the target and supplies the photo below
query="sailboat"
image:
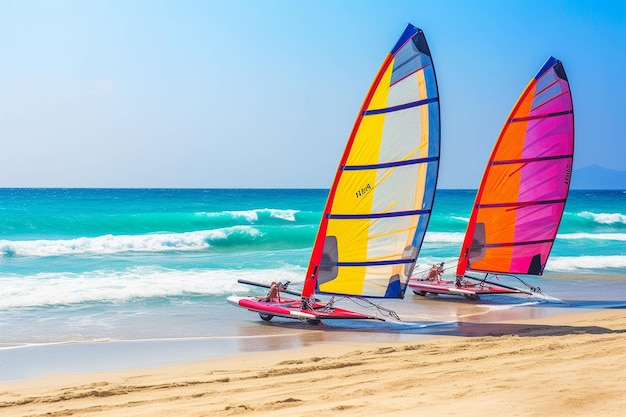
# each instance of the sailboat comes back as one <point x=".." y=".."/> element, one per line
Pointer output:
<point x="381" y="198"/>
<point x="522" y="195"/>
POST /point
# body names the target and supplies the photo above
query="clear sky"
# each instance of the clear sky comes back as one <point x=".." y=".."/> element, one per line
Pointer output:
<point x="235" y="93"/>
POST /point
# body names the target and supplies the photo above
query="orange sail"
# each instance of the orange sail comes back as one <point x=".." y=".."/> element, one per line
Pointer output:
<point x="520" y="202"/>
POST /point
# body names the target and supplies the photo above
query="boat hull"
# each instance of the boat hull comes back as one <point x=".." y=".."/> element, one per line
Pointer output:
<point x="466" y="289"/>
<point x="292" y="309"/>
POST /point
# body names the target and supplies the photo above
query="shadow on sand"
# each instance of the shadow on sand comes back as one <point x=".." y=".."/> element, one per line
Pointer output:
<point x="368" y="330"/>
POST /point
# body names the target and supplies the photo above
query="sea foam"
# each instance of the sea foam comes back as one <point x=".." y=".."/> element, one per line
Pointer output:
<point x="111" y="244"/>
<point x="604" y="218"/>
<point x="253" y="215"/>
<point x="585" y="263"/>
<point x="105" y="286"/>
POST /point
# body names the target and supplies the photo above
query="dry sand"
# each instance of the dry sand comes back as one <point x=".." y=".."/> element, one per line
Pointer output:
<point x="568" y="365"/>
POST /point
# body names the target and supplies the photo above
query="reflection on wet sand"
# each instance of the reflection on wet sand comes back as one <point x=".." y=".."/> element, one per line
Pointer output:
<point x="280" y="335"/>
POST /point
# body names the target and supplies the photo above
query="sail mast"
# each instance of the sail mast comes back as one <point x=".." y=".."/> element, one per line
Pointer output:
<point x="311" y="274"/>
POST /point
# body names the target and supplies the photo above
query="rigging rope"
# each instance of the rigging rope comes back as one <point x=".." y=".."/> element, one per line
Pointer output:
<point x="381" y="310"/>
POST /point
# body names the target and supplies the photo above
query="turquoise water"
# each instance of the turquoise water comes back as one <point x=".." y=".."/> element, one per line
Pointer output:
<point x="129" y="264"/>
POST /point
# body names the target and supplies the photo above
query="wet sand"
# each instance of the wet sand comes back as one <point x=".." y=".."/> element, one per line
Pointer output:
<point x="557" y="365"/>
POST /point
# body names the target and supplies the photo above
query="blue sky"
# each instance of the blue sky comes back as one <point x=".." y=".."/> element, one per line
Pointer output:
<point x="264" y="93"/>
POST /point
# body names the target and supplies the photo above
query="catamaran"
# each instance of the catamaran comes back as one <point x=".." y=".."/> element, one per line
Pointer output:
<point x="522" y="196"/>
<point x="381" y="198"/>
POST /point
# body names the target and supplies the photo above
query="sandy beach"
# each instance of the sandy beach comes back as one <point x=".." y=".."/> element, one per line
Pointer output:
<point x="565" y="365"/>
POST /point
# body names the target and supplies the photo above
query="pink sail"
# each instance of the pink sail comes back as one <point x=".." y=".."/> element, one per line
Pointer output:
<point x="520" y="202"/>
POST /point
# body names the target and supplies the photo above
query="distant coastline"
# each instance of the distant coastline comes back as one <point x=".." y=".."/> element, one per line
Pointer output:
<point x="595" y="177"/>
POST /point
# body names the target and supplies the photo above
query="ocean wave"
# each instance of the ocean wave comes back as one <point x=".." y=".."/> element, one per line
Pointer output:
<point x="111" y="244"/>
<point x="592" y="236"/>
<point x="459" y="218"/>
<point x="254" y="215"/>
<point x="444" y="237"/>
<point x="50" y="289"/>
<point x="604" y="218"/>
<point x="586" y="263"/>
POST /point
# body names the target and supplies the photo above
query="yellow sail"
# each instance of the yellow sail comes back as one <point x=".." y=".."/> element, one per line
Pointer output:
<point x="381" y="199"/>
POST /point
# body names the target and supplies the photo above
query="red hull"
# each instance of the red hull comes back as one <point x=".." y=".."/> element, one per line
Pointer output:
<point x="292" y="309"/>
<point x="468" y="289"/>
